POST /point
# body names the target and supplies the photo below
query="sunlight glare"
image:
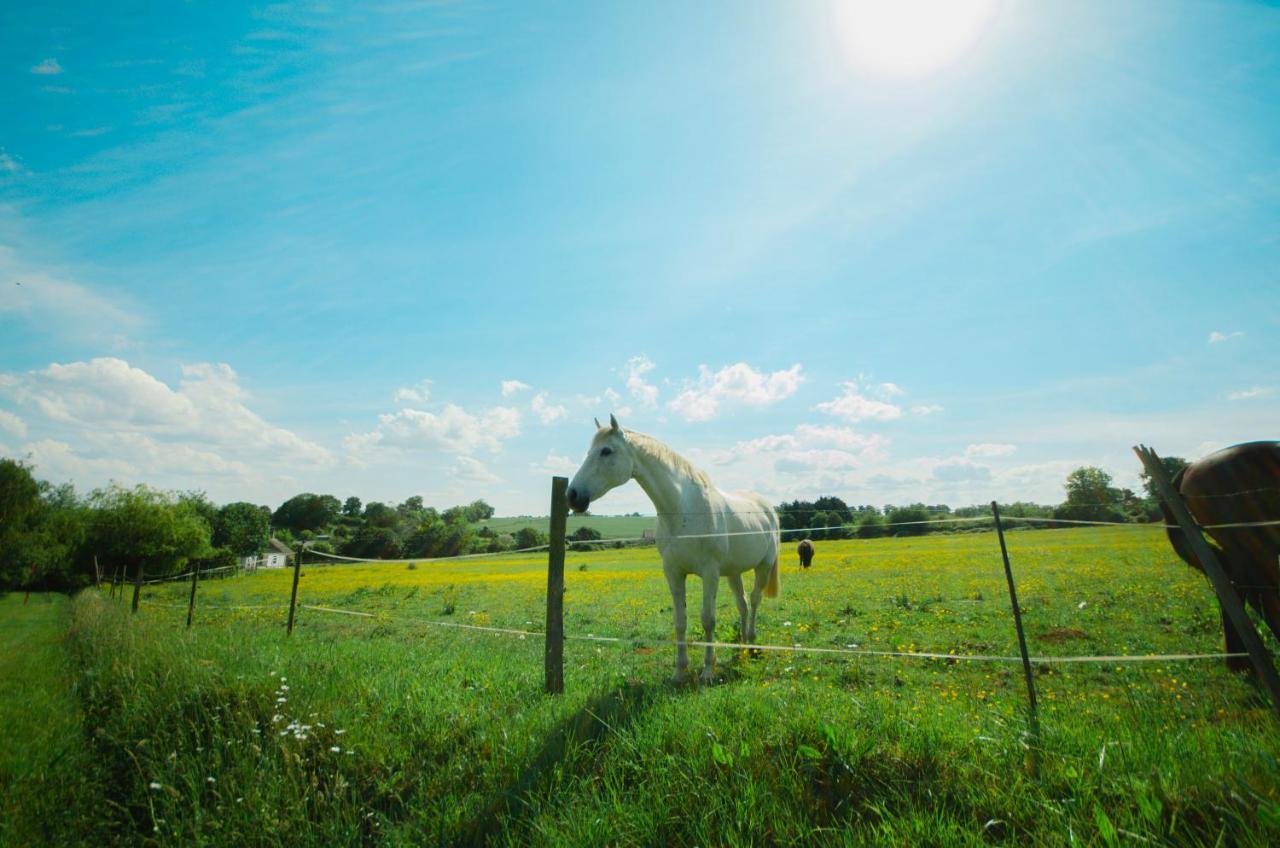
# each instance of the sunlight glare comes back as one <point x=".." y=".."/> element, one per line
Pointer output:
<point x="910" y="38"/>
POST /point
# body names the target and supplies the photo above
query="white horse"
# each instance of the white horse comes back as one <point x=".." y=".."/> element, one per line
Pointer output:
<point x="701" y="530"/>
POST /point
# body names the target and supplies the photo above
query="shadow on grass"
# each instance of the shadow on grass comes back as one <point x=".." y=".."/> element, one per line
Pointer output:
<point x="575" y="741"/>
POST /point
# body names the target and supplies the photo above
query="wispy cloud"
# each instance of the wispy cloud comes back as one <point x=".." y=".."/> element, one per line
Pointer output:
<point x="1217" y="337"/>
<point x="452" y="429"/>
<point x="13" y="424"/>
<point x="646" y="393"/>
<point x="420" y="393"/>
<point x="511" y="387"/>
<point x="1254" y="392"/>
<point x="8" y="164"/>
<point x="738" y="383"/>
<point x="63" y="307"/>
<point x="853" y="406"/>
<point x="49" y="67"/>
<point x="547" y="412"/>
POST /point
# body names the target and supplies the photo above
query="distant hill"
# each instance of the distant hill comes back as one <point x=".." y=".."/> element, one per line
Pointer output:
<point x="610" y="526"/>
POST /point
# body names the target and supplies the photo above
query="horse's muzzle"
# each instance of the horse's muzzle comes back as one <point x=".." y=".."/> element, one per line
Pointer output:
<point x="578" y="500"/>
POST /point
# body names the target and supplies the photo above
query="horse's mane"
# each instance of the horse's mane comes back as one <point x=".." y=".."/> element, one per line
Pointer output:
<point x="657" y="449"/>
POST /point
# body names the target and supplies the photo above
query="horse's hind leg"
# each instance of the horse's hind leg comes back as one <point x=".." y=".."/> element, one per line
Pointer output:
<point x="740" y="598"/>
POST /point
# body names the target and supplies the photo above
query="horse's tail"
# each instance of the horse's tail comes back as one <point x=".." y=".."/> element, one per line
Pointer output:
<point x="774" y="586"/>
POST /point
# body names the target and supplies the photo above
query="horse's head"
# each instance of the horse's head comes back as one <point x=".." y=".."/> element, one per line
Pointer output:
<point x="609" y="464"/>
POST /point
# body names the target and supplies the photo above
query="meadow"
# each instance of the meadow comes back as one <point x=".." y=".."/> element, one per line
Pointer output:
<point x="400" y="729"/>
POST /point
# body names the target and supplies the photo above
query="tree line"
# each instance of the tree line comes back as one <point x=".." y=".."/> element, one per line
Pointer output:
<point x="53" y="538"/>
<point x="1090" y="496"/>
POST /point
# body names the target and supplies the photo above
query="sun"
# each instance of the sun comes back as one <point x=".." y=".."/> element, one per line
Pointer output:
<point x="910" y="38"/>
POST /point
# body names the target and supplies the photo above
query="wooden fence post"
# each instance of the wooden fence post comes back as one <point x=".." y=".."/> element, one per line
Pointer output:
<point x="554" y="650"/>
<point x="1221" y="583"/>
<point x="97" y="572"/>
<point x="191" y="604"/>
<point x="137" y="587"/>
<point x="293" y="596"/>
<point x="1033" y="711"/>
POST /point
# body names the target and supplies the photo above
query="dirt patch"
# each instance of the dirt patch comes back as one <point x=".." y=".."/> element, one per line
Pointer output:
<point x="1062" y="634"/>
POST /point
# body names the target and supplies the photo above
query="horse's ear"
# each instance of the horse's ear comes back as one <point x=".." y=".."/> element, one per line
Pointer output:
<point x="598" y="424"/>
<point x="613" y="422"/>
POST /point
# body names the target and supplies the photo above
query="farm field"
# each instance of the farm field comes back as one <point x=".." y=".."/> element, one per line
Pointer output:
<point x="397" y="730"/>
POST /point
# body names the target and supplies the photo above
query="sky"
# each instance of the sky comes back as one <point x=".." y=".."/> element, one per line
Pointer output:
<point x="920" y="252"/>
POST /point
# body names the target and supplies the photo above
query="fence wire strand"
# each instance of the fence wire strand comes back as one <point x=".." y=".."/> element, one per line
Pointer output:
<point x="795" y="648"/>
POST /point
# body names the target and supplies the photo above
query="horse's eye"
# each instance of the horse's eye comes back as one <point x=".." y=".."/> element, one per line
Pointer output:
<point x="606" y="451"/>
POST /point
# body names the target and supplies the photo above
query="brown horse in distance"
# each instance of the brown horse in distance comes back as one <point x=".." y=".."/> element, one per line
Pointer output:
<point x="1237" y="484"/>
<point x="805" y="549"/>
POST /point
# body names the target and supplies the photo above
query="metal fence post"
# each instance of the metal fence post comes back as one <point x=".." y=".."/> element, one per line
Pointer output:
<point x="293" y="595"/>
<point x="1033" y="711"/>
<point x="554" y="650"/>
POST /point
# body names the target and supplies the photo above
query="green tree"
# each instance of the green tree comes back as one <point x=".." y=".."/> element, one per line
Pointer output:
<point x="478" y="511"/>
<point x="910" y="518"/>
<point x="351" y="507"/>
<point x="242" y="528"/>
<point x="529" y="537"/>
<point x="871" y="525"/>
<point x="1091" y="497"/>
<point x="378" y="514"/>
<point x="148" y="529"/>
<point x="307" y="511"/>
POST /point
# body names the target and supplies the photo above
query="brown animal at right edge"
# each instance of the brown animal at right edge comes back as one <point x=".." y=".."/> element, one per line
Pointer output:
<point x="805" y="549"/>
<point x="1234" y="485"/>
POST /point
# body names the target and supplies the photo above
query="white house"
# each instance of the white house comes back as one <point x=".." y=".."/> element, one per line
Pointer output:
<point x="276" y="555"/>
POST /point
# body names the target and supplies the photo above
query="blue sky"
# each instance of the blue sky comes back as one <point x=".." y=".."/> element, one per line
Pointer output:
<point x="413" y="248"/>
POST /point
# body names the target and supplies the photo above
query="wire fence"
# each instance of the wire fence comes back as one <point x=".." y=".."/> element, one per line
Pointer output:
<point x="849" y="650"/>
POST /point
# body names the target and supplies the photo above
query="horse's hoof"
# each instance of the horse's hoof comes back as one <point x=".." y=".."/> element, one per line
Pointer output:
<point x="708" y="676"/>
<point x="678" y="677"/>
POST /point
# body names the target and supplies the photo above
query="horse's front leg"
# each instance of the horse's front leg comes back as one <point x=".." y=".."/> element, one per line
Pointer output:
<point x="676" y="583"/>
<point x="740" y="598"/>
<point x="710" y="584"/>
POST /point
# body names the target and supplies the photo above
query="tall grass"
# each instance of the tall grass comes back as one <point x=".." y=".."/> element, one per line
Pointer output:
<point x="392" y="731"/>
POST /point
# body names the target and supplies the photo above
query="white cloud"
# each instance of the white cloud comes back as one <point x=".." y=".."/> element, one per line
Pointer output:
<point x="853" y="406"/>
<point x="546" y="412"/>
<point x="8" y="164"/>
<point x="511" y="387"/>
<point x="890" y="389"/>
<point x="49" y="67"/>
<point x="988" y="450"/>
<point x="1254" y="392"/>
<point x="926" y="409"/>
<point x="646" y="393"/>
<point x="806" y="448"/>
<point x="957" y="470"/>
<point x="453" y="430"/>
<point x="555" y="464"/>
<point x="107" y="398"/>
<point x="57" y="461"/>
<point x="738" y="383"/>
<point x="420" y="393"/>
<point x="468" y="469"/>
<point x="13" y="424"/>
<point x="1217" y="337"/>
<point x="61" y="306"/>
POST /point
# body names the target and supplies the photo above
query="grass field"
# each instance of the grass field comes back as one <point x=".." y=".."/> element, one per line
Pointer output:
<point x="394" y="730"/>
